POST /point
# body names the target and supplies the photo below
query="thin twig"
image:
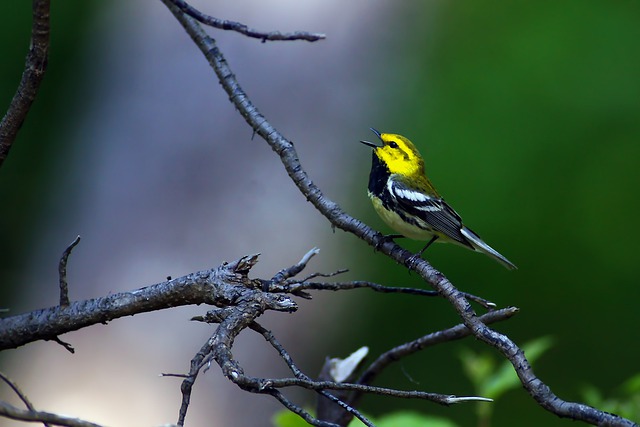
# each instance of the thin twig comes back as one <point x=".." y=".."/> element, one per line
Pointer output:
<point x="33" y="74"/>
<point x="168" y="374"/>
<point x="295" y="269"/>
<point x="350" y="409"/>
<point x="62" y="272"/>
<point x="198" y="361"/>
<point x="224" y="24"/>
<point x="442" y="399"/>
<point x="64" y="344"/>
<point x="284" y="354"/>
<point x="299" y="411"/>
<point x="314" y="275"/>
<point x="294" y="286"/>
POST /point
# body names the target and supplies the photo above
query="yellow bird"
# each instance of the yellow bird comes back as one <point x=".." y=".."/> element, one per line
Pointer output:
<point x="406" y="200"/>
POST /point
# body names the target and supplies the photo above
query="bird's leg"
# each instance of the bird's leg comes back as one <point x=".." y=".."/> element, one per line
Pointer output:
<point x="433" y="239"/>
<point x="413" y="258"/>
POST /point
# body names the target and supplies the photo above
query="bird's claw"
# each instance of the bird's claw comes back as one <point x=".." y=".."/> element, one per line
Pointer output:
<point x="413" y="259"/>
<point x="385" y="238"/>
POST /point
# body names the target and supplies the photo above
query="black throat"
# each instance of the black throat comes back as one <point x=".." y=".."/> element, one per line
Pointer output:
<point x="378" y="176"/>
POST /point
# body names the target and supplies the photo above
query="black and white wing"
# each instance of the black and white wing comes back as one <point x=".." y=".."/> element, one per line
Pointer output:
<point x="432" y="213"/>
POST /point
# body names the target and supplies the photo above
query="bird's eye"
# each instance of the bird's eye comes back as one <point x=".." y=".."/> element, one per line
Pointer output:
<point x="393" y="144"/>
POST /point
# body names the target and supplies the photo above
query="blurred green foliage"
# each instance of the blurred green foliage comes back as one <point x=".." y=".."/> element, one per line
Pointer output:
<point x="492" y="378"/>
<point x="528" y="114"/>
<point x="625" y="402"/>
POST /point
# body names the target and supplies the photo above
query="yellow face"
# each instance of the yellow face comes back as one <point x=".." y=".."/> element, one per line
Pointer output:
<point x="400" y="155"/>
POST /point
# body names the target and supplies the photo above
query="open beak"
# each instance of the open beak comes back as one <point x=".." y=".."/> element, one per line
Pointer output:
<point x="371" y="144"/>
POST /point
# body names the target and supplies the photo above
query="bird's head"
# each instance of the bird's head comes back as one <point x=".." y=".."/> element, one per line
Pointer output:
<point x="398" y="154"/>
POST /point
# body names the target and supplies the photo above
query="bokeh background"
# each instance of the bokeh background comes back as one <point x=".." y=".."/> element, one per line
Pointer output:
<point x="528" y="114"/>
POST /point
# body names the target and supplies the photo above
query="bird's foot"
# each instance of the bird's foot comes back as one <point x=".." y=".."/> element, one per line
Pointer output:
<point x="413" y="259"/>
<point x="384" y="239"/>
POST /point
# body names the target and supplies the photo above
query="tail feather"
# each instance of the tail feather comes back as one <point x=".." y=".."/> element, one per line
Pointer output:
<point x="481" y="246"/>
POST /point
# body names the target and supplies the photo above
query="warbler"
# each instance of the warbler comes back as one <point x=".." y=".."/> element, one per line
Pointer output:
<point x="406" y="200"/>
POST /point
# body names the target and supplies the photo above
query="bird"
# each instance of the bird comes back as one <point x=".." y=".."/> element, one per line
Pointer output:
<point x="406" y="200"/>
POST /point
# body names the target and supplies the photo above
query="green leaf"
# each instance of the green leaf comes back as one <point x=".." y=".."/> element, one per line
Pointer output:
<point x="627" y="404"/>
<point x="592" y="396"/>
<point x="505" y="378"/>
<point x="632" y="385"/>
<point x="478" y="367"/>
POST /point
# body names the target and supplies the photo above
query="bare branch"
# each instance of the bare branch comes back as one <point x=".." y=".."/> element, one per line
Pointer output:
<point x="34" y="69"/>
<point x="338" y="218"/>
<point x="223" y="24"/>
<point x="255" y="385"/>
<point x="222" y="286"/>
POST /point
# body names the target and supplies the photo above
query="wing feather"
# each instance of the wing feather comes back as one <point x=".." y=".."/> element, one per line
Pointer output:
<point x="434" y="212"/>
